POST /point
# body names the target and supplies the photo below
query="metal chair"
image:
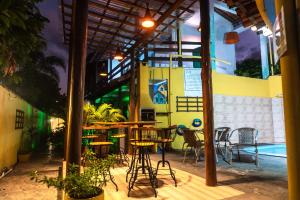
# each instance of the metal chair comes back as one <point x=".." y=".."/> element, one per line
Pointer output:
<point x="222" y="143"/>
<point x="246" y="137"/>
<point x="190" y="139"/>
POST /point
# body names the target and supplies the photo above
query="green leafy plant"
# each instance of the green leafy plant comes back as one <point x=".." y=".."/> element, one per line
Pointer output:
<point x="104" y="113"/>
<point x="85" y="184"/>
<point x="249" y="68"/>
<point x="56" y="139"/>
<point x="21" y="26"/>
<point x="26" y="140"/>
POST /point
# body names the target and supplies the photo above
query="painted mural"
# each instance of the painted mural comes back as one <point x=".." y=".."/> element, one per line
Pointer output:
<point x="158" y="90"/>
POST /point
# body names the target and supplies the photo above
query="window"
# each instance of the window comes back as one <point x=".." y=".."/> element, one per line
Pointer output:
<point x="19" y="124"/>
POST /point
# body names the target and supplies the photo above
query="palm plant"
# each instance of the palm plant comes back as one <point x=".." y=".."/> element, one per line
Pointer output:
<point x="37" y="81"/>
<point x="104" y="113"/>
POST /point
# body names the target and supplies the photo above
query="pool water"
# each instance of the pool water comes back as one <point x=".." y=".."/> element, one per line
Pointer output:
<point x="278" y="150"/>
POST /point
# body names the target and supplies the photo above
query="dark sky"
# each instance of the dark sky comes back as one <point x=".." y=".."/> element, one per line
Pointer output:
<point x="248" y="47"/>
<point x="54" y="36"/>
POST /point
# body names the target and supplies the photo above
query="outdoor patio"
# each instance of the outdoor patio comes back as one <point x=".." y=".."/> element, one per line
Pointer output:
<point x="152" y="99"/>
<point x="240" y="181"/>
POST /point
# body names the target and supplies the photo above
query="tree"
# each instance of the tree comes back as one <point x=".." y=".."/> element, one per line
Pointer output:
<point x="249" y="68"/>
<point x="21" y="25"/>
<point x="37" y="81"/>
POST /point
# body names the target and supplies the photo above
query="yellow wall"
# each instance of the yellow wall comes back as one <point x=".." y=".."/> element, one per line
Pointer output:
<point x="242" y="86"/>
<point x="9" y="136"/>
<point x="177" y="89"/>
<point x="222" y="84"/>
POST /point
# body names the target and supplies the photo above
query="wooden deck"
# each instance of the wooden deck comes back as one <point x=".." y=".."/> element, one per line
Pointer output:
<point x="189" y="187"/>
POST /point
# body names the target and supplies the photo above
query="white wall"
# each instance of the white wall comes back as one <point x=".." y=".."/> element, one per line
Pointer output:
<point x="224" y="51"/>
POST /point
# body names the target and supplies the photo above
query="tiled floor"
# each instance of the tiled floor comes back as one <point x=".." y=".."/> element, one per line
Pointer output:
<point x="240" y="181"/>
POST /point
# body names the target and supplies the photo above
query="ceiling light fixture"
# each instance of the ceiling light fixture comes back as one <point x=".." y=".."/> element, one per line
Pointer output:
<point x="103" y="74"/>
<point x="148" y="21"/>
<point x="254" y="28"/>
<point x="118" y="54"/>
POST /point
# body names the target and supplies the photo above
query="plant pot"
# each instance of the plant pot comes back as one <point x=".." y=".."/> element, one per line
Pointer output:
<point x="99" y="197"/>
<point x="24" y="157"/>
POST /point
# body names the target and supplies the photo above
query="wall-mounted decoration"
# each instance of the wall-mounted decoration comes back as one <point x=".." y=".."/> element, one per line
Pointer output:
<point x="158" y="90"/>
<point x="189" y="104"/>
<point x="19" y="123"/>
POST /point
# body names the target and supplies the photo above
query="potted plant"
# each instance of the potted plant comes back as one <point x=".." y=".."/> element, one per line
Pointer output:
<point x="86" y="184"/>
<point x="25" y="148"/>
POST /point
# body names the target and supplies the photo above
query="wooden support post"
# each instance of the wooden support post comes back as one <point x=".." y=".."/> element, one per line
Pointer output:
<point x="132" y="99"/>
<point x="290" y="72"/>
<point x="206" y="75"/>
<point x="179" y="45"/>
<point x="77" y="66"/>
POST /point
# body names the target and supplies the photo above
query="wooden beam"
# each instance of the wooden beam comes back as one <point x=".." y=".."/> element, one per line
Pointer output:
<point x="166" y="2"/>
<point x="162" y="18"/>
<point x="76" y="80"/>
<point x="208" y="113"/>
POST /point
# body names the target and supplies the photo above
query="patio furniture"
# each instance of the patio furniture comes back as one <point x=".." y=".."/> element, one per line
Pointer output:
<point x="144" y="137"/>
<point x="165" y="136"/>
<point x="121" y="155"/>
<point x="179" y="131"/>
<point x="222" y="143"/>
<point x="246" y="137"/>
<point x="192" y="142"/>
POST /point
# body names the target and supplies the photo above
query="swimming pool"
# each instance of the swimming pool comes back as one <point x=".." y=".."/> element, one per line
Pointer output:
<point x="278" y="150"/>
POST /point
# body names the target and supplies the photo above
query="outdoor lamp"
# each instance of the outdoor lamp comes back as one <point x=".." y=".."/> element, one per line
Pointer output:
<point x="231" y="38"/>
<point x="103" y="74"/>
<point x="118" y="54"/>
<point x="148" y="21"/>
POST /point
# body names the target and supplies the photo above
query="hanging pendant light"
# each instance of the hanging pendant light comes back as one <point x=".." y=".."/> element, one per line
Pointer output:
<point x="118" y="54"/>
<point x="231" y="38"/>
<point x="148" y="21"/>
<point x="103" y="74"/>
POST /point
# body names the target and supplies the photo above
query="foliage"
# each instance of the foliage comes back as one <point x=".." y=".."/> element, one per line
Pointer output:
<point x="87" y="184"/>
<point x="21" y="25"/>
<point x="56" y="138"/>
<point x="104" y="113"/>
<point x="26" y="140"/>
<point x="37" y="81"/>
<point x="249" y="68"/>
<point x="277" y="70"/>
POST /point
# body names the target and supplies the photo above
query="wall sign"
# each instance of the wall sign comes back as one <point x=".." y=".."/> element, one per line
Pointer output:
<point x="279" y="36"/>
<point x="192" y="82"/>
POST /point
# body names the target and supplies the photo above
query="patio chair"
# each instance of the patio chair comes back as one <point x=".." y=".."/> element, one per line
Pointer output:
<point x="190" y="139"/>
<point x="222" y="143"/>
<point x="247" y="137"/>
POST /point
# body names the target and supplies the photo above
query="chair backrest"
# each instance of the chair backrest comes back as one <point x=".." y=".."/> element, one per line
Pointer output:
<point x="145" y="133"/>
<point x="246" y="135"/>
<point x="167" y="133"/>
<point x="222" y="134"/>
<point x="190" y="137"/>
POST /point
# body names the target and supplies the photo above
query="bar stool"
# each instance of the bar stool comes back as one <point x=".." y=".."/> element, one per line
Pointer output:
<point x="121" y="156"/>
<point x="166" y="138"/>
<point x="141" y="158"/>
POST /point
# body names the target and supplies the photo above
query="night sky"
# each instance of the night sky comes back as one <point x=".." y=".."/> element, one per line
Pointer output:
<point x="248" y="47"/>
<point x="53" y="33"/>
